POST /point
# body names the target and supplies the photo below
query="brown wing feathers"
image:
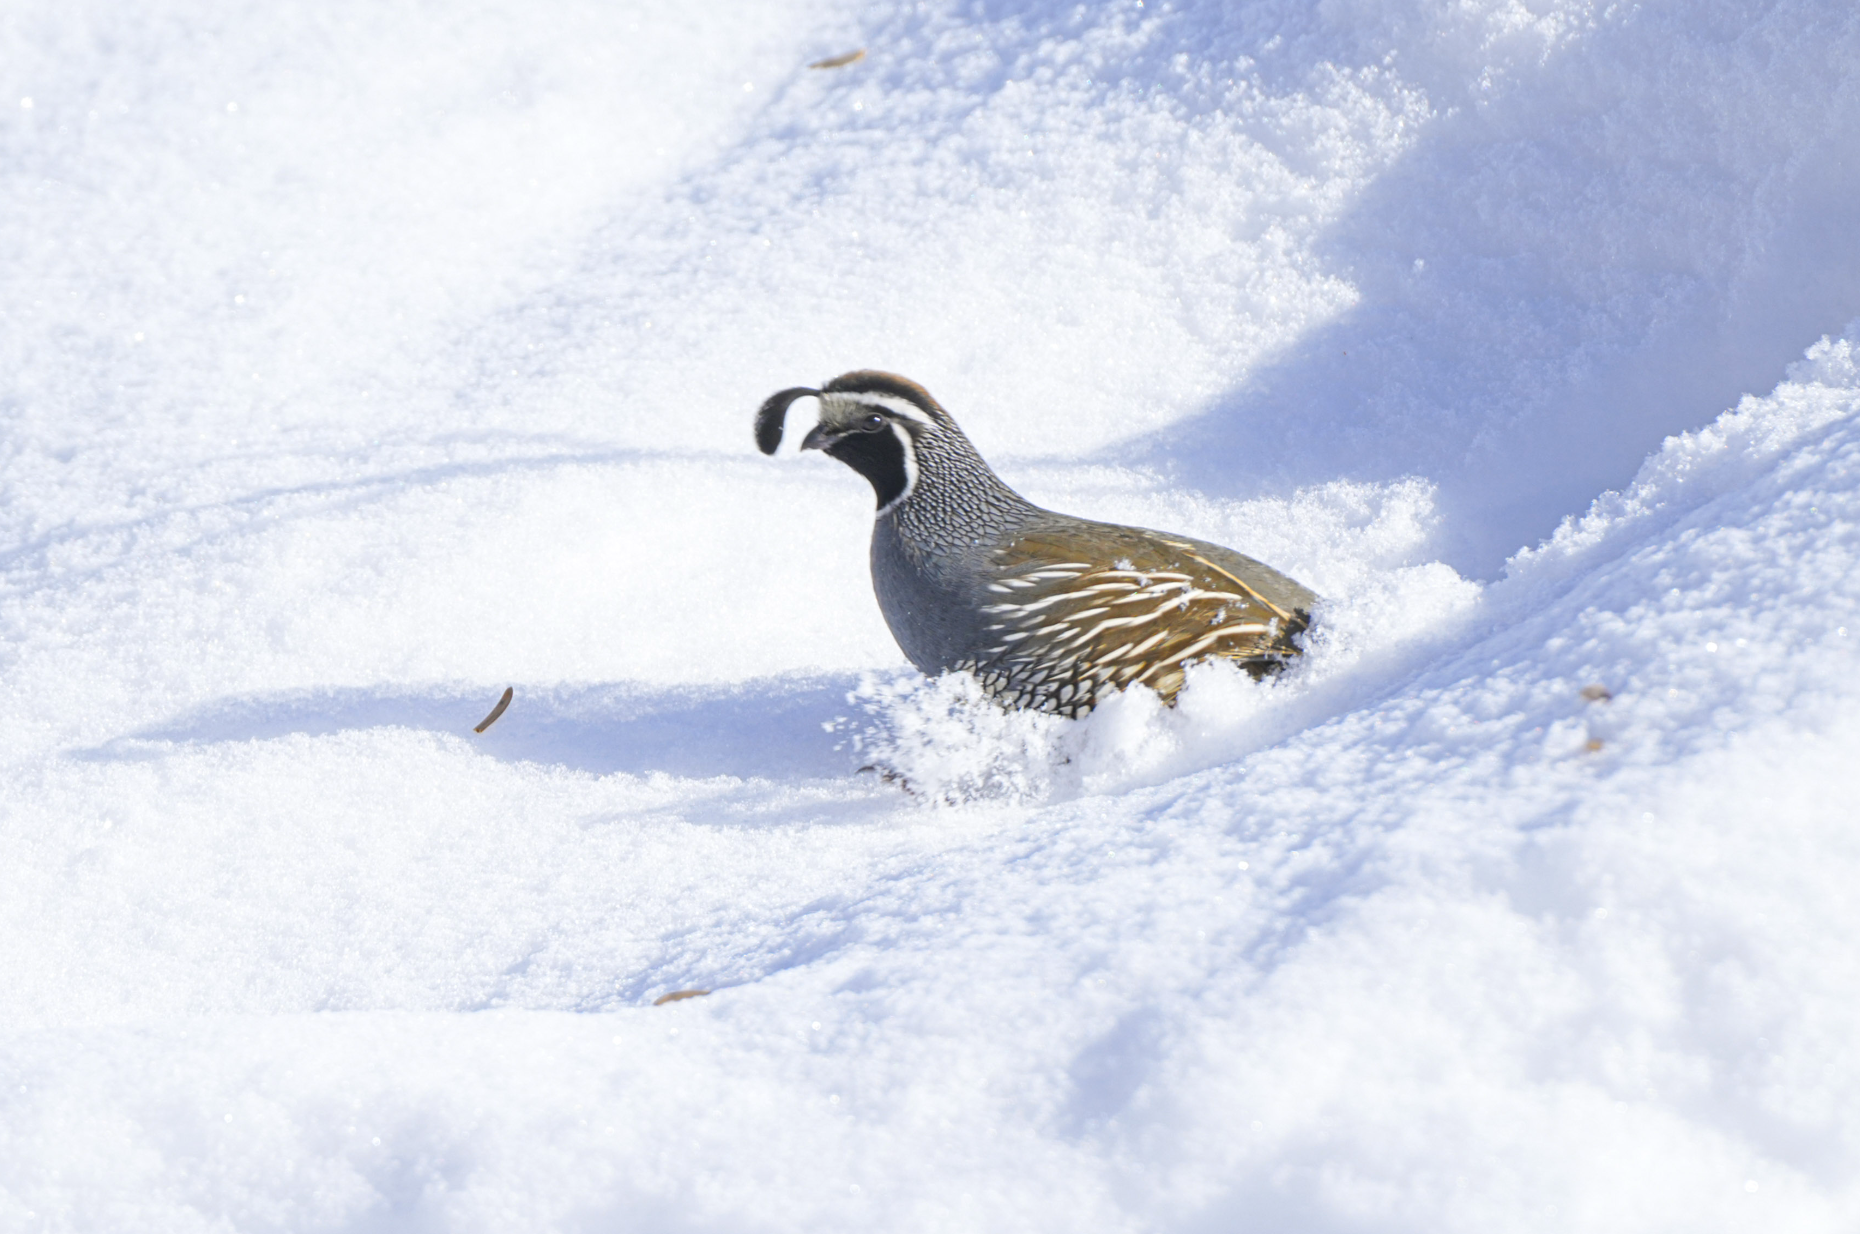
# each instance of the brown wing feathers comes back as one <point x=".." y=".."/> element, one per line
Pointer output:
<point x="1062" y="629"/>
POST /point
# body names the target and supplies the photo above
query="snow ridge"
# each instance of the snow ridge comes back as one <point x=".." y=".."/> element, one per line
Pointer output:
<point x="357" y="365"/>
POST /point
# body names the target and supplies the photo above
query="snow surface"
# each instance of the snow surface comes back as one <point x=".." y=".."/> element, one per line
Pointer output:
<point x="359" y="360"/>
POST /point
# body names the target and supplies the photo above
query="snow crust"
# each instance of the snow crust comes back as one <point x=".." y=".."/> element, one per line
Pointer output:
<point x="357" y="361"/>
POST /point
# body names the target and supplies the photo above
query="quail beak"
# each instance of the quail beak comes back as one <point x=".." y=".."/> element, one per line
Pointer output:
<point x="819" y="438"/>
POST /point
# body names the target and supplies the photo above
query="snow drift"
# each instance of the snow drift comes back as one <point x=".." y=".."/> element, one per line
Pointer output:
<point x="361" y="360"/>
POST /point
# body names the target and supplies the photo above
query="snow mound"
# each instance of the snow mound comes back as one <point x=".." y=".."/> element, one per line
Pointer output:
<point x="356" y="365"/>
<point x="944" y="742"/>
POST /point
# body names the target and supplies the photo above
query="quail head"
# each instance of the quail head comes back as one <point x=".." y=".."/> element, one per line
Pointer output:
<point x="1048" y="611"/>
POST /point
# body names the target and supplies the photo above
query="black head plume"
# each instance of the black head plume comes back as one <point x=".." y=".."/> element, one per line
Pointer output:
<point x="774" y="414"/>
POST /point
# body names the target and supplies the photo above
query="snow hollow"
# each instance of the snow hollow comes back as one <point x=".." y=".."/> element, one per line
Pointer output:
<point x="359" y="360"/>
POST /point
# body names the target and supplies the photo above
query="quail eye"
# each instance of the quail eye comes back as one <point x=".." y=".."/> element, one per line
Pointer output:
<point x="872" y="423"/>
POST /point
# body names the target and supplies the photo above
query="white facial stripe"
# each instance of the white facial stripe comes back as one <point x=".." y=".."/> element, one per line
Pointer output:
<point x="910" y="469"/>
<point x="886" y="402"/>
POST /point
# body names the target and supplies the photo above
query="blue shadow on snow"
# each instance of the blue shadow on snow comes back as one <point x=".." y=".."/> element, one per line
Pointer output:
<point x="773" y="728"/>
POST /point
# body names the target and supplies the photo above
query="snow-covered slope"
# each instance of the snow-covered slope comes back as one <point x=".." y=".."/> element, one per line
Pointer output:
<point x="360" y="360"/>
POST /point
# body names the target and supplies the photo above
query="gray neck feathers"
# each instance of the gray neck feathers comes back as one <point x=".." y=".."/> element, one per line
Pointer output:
<point x="959" y="507"/>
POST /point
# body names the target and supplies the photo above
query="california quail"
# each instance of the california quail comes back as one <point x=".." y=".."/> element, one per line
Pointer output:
<point x="1048" y="611"/>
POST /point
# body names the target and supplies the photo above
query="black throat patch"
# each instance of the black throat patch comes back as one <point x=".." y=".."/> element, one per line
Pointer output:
<point x="879" y="457"/>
